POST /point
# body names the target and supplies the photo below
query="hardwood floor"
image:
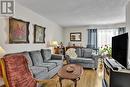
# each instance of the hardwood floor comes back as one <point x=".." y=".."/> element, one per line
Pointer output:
<point x="90" y="78"/>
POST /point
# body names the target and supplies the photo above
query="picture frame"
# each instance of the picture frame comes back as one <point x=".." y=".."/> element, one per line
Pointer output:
<point x="18" y="31"/>
<point x="39" y="34"/>
<point x="75" y="36"/>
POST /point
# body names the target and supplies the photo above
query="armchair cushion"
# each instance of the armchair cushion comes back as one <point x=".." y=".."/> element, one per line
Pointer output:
<point x="46" y="54"/>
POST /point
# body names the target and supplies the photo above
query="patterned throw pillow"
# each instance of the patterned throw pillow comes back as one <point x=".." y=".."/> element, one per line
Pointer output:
<point x="71" y="53"/>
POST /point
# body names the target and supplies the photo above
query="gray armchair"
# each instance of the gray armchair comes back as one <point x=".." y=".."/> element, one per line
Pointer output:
<point x="85" y="58"/>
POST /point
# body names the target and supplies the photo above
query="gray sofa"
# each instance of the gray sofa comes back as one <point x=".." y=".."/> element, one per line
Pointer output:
<point x="86" y="58"/>
<point x="42" y="63"/>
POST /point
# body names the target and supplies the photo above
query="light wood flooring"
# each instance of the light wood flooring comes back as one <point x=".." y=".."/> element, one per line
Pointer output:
<point x="90" y="78"/>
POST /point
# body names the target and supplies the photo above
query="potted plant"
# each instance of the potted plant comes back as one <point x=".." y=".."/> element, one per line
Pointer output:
<point x="106" y="51"/>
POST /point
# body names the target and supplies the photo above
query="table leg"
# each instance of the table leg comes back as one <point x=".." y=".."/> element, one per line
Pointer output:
<point x="60" y="81"/>
<point x="75" y="82"/>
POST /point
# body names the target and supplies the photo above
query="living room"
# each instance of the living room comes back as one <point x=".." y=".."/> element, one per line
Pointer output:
<point x="94" y="23"/>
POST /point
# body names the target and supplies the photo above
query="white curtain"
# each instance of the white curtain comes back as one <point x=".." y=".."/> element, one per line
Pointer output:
<point x="105" y="36"/>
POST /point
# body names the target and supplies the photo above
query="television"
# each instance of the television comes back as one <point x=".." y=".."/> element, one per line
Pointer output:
<point x="120" y="48"/>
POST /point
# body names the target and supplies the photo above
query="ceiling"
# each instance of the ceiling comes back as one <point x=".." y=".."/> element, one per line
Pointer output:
<point x="79" y="12"/>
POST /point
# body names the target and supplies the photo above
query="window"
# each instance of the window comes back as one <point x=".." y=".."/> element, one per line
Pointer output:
<point x="105" y="36"/>
<point x="101" y="37"/>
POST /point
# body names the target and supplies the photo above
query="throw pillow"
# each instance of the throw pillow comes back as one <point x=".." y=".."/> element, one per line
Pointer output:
<point x="36" y="57"/>
<point x="87" y="52"/>
<point x="71" y="53"/>
<point x="46" y="54"/>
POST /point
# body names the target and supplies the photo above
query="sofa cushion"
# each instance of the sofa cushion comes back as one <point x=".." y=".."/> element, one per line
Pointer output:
<point x="46" y="54"/>
<point x="48" y="65"/>
<point x="79" y="52"/>
<point x="26" y="54"/>
<point x="36" y="57"/>
<point x="82" y="60"/>
<point x="58" y="62"/>
<point x="37" y="69"/>
<point x="41" y="76"/>
<point x="87" y="52"/>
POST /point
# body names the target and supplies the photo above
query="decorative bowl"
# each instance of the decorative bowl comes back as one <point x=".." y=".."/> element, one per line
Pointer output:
<point x="70" y="69"/>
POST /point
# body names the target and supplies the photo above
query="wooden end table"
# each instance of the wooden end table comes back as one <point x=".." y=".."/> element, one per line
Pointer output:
<point x="73" y="76"/>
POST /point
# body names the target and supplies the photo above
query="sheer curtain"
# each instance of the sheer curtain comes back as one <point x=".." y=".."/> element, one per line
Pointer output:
<point x="105" y="36"/>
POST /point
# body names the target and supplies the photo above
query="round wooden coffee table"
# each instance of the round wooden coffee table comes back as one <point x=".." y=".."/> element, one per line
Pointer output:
<point x="71" y="72"/>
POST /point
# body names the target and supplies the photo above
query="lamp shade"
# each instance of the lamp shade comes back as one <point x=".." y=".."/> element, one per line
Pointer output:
<point x="54" y="43"/>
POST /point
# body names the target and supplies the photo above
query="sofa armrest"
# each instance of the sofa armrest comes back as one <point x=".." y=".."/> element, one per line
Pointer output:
<point x="57" y="57"/>
<point x="67" y="57"/>
<point x="95" y="57"/>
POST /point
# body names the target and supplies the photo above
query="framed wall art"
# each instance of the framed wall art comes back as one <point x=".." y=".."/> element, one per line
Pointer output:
<point x="76" y="36"/>
<point x="39" y="34"/>
<point x="18" y="31"/>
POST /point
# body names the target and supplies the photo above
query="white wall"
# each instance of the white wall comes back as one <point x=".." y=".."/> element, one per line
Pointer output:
<point x="53" y="31"/>
<point x="128" y="28"/>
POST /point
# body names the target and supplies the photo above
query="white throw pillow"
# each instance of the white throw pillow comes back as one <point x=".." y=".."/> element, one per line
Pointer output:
<point x="71" y="53"/>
